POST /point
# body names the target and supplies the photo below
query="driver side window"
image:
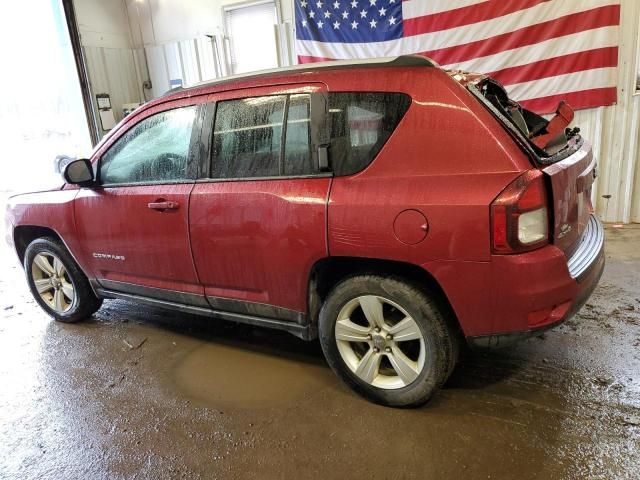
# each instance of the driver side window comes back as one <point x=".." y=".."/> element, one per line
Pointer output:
<point x="155" y="150"/>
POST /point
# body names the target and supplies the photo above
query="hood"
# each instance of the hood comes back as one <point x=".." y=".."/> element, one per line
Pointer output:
<point x="44" y="186"/>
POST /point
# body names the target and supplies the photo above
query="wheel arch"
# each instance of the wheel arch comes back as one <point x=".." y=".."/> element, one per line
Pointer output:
<point x="23" y="235"/>
<point x="329" y="271"/>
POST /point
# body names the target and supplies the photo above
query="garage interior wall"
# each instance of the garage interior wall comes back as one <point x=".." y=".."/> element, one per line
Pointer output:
<point x="185" y="42"/>
<point x="109" y="54"/>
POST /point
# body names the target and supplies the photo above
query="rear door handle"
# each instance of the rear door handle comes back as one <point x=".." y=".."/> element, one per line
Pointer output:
<point x="163" y="205"/>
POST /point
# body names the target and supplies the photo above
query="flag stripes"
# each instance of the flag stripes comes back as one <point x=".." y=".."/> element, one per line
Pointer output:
<point x="539" y="49"/>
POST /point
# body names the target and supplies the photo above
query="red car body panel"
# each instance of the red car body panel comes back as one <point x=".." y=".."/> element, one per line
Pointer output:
<point x="53" y="210"/>
<point x="571" y="181"/>
<point x="154" y="244"/>
<point x="424" y="200"/>
<point x="257" y="240"/>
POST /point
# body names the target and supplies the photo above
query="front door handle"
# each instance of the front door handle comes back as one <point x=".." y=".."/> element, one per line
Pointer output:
<point x="163" y="205"/>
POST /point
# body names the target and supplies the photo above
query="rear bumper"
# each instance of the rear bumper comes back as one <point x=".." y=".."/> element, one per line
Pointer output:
<point x="536" y="299"/>
<point x="591" y="246"/>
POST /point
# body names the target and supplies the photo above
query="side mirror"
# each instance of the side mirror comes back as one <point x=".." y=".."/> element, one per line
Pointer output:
<point x="78" y="172"/>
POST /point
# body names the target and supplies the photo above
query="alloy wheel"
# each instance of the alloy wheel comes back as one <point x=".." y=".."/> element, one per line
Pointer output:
<point x="52" y="282"/>
<point x="380" y="342"/>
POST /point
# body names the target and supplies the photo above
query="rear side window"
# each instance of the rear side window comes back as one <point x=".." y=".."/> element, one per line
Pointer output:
<point x="360" y="125"/>
<point x="298" y="159"/>
<point x="154" y="150"/>
<point x="247" y="137"/>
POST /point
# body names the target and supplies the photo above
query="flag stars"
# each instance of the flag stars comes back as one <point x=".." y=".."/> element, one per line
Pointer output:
<point x="335" y="14"/>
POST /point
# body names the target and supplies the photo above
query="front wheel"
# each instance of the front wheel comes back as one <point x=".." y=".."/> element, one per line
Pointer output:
<point x="57" y="283"/>
<point x="387" y="339"/>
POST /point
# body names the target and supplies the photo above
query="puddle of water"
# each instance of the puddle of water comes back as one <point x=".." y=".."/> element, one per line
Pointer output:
<point x="231" y="376"/>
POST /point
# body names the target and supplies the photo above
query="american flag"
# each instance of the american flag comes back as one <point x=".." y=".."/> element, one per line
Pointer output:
<point x="543" y="51"/>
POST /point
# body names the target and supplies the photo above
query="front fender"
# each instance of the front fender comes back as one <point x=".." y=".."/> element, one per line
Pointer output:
<point x="53" y="210"/>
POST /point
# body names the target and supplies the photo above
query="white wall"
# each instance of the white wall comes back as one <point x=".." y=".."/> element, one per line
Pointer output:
<point x="173" y="34"/>
<point x="105" y="36"/>
<point x="103" y="23"/>
<point x="615" y="131"/>
<point x="166" y="21"/>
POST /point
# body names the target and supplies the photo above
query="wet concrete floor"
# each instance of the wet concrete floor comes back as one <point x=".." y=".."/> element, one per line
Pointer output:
<point x="137" y="392"/>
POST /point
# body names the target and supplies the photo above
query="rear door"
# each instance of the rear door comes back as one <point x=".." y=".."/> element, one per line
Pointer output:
<point x="134" y="225"/>
<point x="258" y="221"/>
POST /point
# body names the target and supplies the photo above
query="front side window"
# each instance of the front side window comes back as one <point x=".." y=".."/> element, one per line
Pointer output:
<point x="247" y="137"/>
<point x="154" y="150"/>
<point x="361" y="123"/>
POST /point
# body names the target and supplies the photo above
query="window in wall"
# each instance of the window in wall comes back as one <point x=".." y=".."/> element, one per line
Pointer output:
<point x="155" y="150"/>
<point x="361" y="123"/>
<point x="250" y="29"/>
<point x="247" y="136"/>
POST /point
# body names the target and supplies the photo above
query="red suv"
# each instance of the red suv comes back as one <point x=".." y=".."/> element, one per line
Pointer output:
<point x="390" y="208"/>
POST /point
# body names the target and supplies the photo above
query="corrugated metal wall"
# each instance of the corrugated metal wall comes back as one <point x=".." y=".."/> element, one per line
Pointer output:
<point x="113" y="71"/>
<point x="614" y="131"/>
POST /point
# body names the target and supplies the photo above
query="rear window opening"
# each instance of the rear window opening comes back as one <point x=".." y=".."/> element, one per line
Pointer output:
<point x="548" y="140"/>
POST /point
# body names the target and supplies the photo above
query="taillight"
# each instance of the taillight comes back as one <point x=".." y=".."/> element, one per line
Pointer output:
<point x="519" y="216"/>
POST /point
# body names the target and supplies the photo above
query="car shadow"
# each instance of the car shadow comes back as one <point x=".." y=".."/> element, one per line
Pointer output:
<point x="474" y="370"/>
<point x="209" y="329"/>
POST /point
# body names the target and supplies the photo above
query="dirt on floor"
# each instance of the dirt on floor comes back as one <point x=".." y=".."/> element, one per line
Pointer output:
<point x="137" y="392"/>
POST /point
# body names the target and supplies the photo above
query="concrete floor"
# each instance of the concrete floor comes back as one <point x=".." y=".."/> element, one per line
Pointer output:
<point x="137" y="392"/>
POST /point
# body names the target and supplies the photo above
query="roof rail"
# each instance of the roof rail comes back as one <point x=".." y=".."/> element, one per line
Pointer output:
<point x="399" y="61"/>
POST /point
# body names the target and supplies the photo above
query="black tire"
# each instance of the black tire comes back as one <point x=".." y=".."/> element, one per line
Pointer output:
<point x="85" y="302"/>
<point x="439" y="338"/>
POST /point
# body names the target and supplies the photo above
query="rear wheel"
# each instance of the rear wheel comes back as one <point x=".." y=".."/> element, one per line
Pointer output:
<point x="387" y="339"/>
<point x="57" y="283"/>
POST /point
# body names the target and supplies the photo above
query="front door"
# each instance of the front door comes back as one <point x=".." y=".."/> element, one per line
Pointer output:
<point x="258" y="223"/>
<point x="134" y="226"/>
